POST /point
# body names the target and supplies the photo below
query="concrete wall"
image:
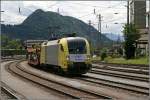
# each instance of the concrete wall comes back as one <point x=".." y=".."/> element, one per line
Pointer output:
<point x="138" y="13"/>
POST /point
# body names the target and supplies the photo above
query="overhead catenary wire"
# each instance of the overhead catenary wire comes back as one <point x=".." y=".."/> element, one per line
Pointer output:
<point x="119" y="18"/>
<point x="85" y="15"/>
<point x="53" y="5"/>
<point x="111" y="7"/>
<point x="95" y="5"/>
<point x="95" y="11"/>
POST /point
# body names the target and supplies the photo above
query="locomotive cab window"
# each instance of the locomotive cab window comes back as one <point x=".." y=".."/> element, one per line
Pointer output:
<point x="77" y="46"/>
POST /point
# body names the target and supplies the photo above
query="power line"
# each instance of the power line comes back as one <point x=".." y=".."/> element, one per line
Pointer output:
<point x="53" y="4"/>
<point x="85" y="15"/>
<point x="119" y="18"/>
<point x="83" y="4"/>
<point x="112" y="20"/>
<point x="58" y="10"/>
<point x="95" y="10"/>
<point x="95" y="5"/>
<point x="112" y="7"/>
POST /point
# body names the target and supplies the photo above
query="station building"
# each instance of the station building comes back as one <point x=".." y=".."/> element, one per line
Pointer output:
<point x="139" y="15"/>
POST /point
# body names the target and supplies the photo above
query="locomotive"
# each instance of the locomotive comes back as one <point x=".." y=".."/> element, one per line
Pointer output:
<point x="70" y="55"/>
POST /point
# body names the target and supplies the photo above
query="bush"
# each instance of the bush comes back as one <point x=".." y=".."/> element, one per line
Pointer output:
<point x="103" y="54"/>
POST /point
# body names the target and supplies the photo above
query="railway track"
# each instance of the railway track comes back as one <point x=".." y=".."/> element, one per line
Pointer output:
<point x="110" y="83"/>
<point x="125" y="86"/>
<point x="134" y="67"/>
<point x="121" y="69"/>
<point x="120" y="72"/>
<point x="106" y="70"/>
<point x="5" y="94"/>
<point x="9" y="94"/>
<point x="10" y="59"/>
<point x="132" y="76"/>
<point x="4" y="60"/>
<point x="76" y="93"/>
<point x="70" y="91"/>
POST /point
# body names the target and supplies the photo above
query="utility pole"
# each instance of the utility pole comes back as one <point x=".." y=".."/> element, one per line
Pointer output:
<point x="127" y="22"/>
<point x="1" y="20"/>
<point x="111" y="35"/>
<point x="90" y="29"/>
<point x="90" y="38"/>
<point x="118" y="40"/>
<point x="58" y="10"/>
<point x="149" y="41"/>
<point x="128" y="15"/>
<point x="94" y="11"/>
<point x="99" y="29"/>
<point x="19" y="10"/>
<point x="52" y="31"/>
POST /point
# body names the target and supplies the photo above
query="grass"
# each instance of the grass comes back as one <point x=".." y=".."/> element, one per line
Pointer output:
<point x="142" y="60"/>
<point x="96" y="59"/>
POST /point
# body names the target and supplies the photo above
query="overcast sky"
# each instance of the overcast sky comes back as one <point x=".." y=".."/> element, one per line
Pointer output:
<point x="83" y="10"/>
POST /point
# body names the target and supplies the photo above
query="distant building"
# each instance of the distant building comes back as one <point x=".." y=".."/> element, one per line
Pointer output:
<point x="140" y="18"/>
<point x="30" y="43"/>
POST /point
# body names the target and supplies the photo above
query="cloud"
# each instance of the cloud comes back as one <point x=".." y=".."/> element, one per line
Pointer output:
<point x="83" y="10"/>
<point x="13" y="18"/>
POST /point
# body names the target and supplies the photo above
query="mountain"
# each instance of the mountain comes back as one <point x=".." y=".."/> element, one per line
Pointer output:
<point x="114" y="37"/>
<point x="41" y="25"/>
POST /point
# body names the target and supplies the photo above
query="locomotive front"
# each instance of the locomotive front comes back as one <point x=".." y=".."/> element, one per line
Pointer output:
<point x="78" y="58"/>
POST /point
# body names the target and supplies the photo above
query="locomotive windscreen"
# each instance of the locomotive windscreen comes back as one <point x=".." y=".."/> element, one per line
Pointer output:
<point x="76" y="46"/>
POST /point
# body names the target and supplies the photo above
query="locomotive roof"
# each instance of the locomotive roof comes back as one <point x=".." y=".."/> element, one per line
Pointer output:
<point x="68" y="38"/>
<point x="51" y="42"/>
<point x="72" y="38"/>
<point x="54" y="42"/>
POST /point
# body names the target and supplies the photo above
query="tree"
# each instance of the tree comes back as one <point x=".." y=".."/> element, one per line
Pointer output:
<point x="14" y="44"/>
<point x="4" y="40"/>
<point x="8" y="43"/>
<point x="103" y="54"/>
<point x="131" y="34"/>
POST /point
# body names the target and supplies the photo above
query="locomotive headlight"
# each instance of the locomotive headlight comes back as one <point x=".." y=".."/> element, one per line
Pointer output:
<point x="67" y="58"/>
<point x="88" y="57"/>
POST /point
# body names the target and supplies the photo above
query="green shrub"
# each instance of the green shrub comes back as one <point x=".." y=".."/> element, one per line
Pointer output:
<point x="103" y="54"/>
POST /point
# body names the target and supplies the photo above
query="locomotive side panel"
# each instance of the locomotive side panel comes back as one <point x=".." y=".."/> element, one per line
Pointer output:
<point x="52" y="54"/>
<point x="42" y="55"/>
